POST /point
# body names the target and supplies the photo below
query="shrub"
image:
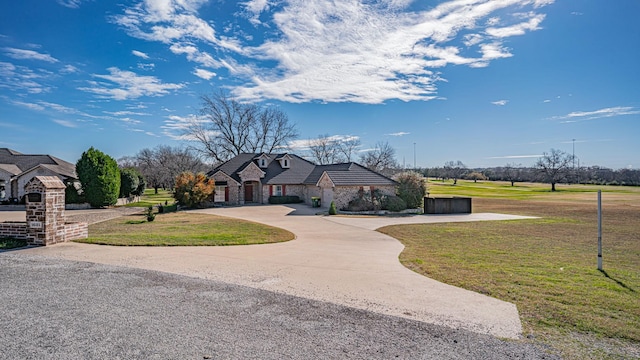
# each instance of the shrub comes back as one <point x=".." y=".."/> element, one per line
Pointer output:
<point x="193" y="189"/>
<point x="287" y="199"/>
<point x="150" y="215"/>
<point x="411" y="188"/>
<point x="100" y="178"/>
<point x="360" y="204"/>
<point x="394" y="203"/>
<point x="332" y="209"/>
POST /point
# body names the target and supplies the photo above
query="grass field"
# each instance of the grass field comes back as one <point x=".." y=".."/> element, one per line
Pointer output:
<point x="183" y="229"/>
<point x="150" y="198"/>
<point x="546" y="266"/>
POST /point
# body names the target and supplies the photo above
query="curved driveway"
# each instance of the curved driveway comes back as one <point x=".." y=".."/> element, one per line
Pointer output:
<point x="335" y="259"/>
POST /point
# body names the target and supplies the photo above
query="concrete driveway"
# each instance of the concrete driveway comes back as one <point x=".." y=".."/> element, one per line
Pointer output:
<point x="334" y="259"/>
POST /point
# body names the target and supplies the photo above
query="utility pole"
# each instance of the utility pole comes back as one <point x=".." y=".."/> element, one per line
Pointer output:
<point x="573" y="158"/>
<point x="600" y="230"/>
<point x="414" y="156"/>
<point x="573" y="155"/>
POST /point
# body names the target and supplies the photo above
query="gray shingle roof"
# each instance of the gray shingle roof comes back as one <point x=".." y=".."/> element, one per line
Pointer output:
<point x="26" y="162"/>
<point x="302" y="171"/>
<point x="349" y="174"/>
<point x="297" y="172"/>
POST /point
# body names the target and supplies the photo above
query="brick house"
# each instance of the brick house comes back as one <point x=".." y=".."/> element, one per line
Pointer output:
<point x="253" y="178"/>
<point x="17" y="169"/>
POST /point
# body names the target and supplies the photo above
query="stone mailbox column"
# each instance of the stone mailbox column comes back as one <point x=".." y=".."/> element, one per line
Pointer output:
<point x="45" y="210"/>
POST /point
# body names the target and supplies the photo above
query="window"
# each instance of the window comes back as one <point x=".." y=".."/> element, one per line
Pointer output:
<point x="277" y="190"/>
<point x="286" y="163"/>
<point x="263" y="163"/>
<point x="219" y="194"/>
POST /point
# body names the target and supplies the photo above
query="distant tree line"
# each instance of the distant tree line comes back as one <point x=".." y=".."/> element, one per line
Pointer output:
<point x="548" y="169"/>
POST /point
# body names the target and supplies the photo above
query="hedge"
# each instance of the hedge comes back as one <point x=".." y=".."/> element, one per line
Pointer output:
<point x="288" y="199"/>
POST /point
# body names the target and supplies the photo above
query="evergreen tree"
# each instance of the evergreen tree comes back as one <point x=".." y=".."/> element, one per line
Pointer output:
<point x="100" y="178"/>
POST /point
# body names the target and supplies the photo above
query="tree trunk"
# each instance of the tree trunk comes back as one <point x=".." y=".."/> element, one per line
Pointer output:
<point x="553" y="186"/>
<point x="512" y="182"/>
<point x="156" y="189"/>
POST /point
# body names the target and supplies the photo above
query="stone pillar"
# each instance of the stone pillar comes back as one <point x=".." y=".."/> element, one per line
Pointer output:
<point x="45" y="210"/>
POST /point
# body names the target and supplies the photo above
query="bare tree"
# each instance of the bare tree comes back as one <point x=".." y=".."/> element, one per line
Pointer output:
<point x="228" y="127"/>
<point x="512" y="172"/>
<point x="347" y="147"/>
<point x="160" y="166"/>
<point x="382" y="158"/>
<point x="324" y="150"/>
<point x="455" y="170"/>
<point x="554" y="166"/>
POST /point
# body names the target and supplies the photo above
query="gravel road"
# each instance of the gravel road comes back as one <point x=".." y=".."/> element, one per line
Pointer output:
<point x="59" y="309"/>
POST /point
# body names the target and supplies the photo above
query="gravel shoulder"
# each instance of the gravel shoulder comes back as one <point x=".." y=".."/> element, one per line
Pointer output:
<point x="60" y="309"/>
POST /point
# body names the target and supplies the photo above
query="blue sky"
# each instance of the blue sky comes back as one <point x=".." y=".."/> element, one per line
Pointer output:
<point x="485" y="82"/>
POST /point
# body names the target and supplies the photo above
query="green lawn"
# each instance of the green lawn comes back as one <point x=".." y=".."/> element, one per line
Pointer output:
<point x="150" y="198"/>
<point x="183" y="229"/>
<point x="546" y="266"/>
<point x="521" y="191"/>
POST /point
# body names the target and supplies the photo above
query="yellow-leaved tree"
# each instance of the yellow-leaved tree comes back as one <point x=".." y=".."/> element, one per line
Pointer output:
<point x="192" y="190"/>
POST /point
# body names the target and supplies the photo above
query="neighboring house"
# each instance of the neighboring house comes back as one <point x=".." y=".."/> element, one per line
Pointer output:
<point x="17" y="169"/>
<point x="253" y="178"/>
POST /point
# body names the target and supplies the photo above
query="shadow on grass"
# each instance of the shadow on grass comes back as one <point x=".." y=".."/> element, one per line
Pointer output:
<point x="617" y="281"/>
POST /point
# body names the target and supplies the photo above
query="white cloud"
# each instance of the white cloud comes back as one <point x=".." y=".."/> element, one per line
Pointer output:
<point x="175" y="126"/>
<point x="73" y="4"/>
<point x="140" y="54"/>
<point x="400" y="133"/>
<point x="204" y="74"/>
<point x="169" y="21"/>
<point x="126" y="113"/>
<point x="65" y="123"/>
<point x="500" y="102"/>
<point x="303" y="145"/>
<point x="69" y="69"/>
<point x="517" y="29"/>
<point x="22" y="54"/>
<point x="546" y="101"/>
<point x="31" y="106"/>
<point x="255" y="8"/>
<point x="21" y="78"/>
<point x="146" y="67"/>
<point x="346" y="51"/>
<point x="578" y="116"/>
<point x="129" y="85"/>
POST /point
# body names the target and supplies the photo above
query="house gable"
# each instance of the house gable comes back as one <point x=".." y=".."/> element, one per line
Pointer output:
<point x="251" y="173"/>
<point x="222" y="176"/>
<point x="263" y="160"/>
<point x="285" y="161"/>
<point x="325" y="181"/>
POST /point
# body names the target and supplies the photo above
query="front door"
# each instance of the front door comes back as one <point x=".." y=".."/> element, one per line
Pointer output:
<point x="327" y="197"/>
<point x="248" y="193"/>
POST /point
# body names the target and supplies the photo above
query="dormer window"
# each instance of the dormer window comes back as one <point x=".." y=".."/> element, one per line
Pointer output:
<point x="285" y="161"/>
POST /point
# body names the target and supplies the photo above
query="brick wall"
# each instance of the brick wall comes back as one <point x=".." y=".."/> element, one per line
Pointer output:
<point x="15" y="230"/>
<point x="75" y="231"/>
<point x="18" y="230"/>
